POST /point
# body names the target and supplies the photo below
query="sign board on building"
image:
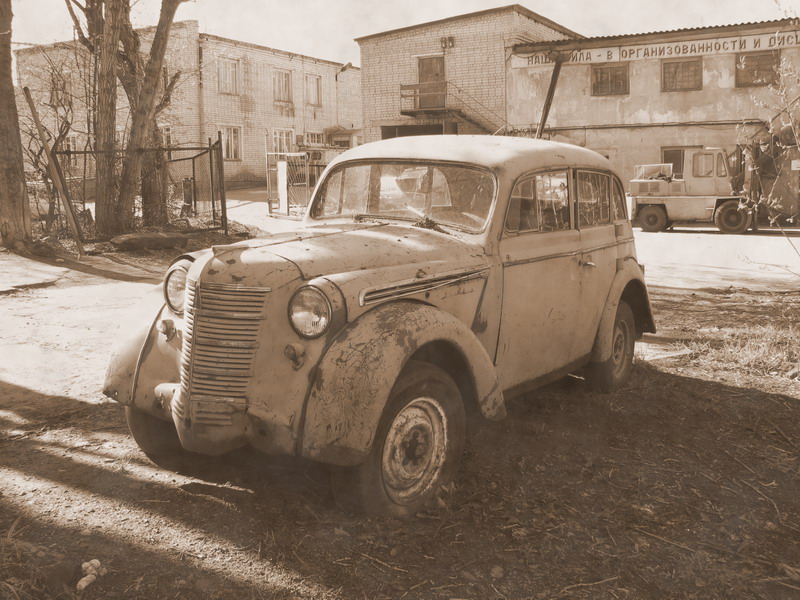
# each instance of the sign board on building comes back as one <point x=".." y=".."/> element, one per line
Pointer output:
<point x="713" y="46"/>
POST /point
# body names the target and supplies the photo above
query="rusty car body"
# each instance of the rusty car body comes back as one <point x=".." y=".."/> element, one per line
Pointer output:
<point x="431" y="277"/>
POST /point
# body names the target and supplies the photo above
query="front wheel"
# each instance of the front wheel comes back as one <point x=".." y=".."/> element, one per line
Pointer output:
<point x="614" y="373"/>
<point x="416" y="449"/>
<point x="729" y="218"/>
<point x="158" y="440"/>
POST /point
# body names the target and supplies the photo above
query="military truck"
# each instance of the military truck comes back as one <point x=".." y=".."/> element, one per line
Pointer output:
<point x="705" y="194"/>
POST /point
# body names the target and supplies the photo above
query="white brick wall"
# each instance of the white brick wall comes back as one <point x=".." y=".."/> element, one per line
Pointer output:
<point x="254" y="108"/>
<point x="475" y="63"/>
<point x="198" y="109"/>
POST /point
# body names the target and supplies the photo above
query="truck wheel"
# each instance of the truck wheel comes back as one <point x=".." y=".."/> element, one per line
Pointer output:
<point x="614" y="373"/>
<point x="158" y="440"/>
<point x="652" y="218"/>
<point x="730" y="219"/>
<point x="416" y="449"/>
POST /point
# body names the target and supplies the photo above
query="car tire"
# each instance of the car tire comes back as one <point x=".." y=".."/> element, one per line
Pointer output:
<point x="730" y="219"/>
<point x="652" y="218"/>
<point x="158" y="440"/>
<point x="416" y="450"/>
<point x="614" y="373"/>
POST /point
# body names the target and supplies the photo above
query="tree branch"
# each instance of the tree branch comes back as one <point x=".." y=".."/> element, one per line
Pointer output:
<point x="166" y="99"/>
<point x="77" y="24"/>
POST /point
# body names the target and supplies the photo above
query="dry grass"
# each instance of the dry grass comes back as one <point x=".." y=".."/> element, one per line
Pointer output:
<point x="771" y="349"/>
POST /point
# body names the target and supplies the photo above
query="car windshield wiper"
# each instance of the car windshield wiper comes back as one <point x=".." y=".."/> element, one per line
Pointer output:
<point x="427" y="223"/>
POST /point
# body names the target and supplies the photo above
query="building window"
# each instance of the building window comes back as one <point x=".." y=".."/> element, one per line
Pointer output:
<point x="314" y="138"/>
<point x="610" y="80"/>
<point x="166" y="140"/>
<point x="314" y="90"/>
<point x="69" y="145"/>
<point x="682" y="75"/>
<point x="60" y="90"/>
<point x="228" y="76"/>
<point x="282" y="85"/>
<point x="231" y="143"/>
<point x="758" y="68"/>
<point x="165" y="77"/>
<point x="282" y="140"/>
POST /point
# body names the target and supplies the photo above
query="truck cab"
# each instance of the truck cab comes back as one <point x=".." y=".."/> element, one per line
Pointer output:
<point x="659" y="200"/>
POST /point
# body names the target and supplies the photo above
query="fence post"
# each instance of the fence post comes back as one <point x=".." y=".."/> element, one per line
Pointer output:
<point x="223" y="202"/>
<point x="55" y="175"/>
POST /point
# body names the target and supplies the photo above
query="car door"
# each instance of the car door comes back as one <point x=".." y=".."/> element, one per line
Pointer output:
<point x="541" y="280"/>
<point x="598" y="242"/>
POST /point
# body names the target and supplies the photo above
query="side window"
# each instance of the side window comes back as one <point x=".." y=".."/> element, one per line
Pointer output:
<point x="552" y="199"/>
<point x="594" y="198"/>
<point x="619" y="204"/>
<point x="522" y="207"/>
<point x="721" y="170"/>
<point x="703" y="164"/>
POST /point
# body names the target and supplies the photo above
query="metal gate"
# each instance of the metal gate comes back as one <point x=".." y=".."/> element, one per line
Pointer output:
<point x="288" y="181"/>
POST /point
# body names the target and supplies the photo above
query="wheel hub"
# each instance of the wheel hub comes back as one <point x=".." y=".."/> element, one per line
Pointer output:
<point x="415" y="450"/>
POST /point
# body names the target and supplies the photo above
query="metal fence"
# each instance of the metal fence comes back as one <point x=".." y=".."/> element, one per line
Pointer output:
<point x="190" y="180"/>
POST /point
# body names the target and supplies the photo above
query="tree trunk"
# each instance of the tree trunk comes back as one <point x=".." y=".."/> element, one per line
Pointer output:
<point x="110" y="217"/>
<point x="144" y="111"/>
<point x="15" y="212"/>
<point x="154" y="182"/>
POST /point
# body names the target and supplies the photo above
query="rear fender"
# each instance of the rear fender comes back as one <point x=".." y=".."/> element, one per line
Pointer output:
<point x="355" y="376"/>
<point x="628" y="285"/>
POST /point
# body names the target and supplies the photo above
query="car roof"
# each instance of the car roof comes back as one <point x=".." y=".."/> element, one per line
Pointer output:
<point x="514" y="154"/>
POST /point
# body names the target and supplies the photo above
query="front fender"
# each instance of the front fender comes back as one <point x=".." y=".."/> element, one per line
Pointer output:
<point x="352" y="382"/>
<point x="628" y="285"/>
<point x="132" y="339"/>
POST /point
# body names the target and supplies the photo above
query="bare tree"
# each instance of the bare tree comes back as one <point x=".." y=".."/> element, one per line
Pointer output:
<point x="141" y="80"/>
<point x="15" y="217"/>
<point x="109" y="217"/>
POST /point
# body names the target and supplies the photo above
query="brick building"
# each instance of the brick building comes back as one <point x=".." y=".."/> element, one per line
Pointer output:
<point x="640" y="98"/>
<point x="446" y="76"/>
<point x="259" y="99"/>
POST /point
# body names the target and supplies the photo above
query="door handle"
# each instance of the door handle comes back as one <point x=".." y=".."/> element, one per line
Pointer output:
<point x="587" y="263"/>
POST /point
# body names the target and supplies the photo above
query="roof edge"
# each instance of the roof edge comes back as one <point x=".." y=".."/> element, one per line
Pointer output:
<point x="217" y="38"/>
<point x="508" y="8"/>
<point x="668" y="34"/>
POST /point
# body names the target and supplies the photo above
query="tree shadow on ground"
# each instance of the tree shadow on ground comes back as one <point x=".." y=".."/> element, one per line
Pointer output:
<point x="674" y="486"/>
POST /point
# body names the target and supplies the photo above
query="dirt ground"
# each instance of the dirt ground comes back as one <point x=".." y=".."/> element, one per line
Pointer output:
<point x="683" y="485"/>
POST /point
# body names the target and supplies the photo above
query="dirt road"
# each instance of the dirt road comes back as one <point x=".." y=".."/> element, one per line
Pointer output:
<point x="683" y="485"/>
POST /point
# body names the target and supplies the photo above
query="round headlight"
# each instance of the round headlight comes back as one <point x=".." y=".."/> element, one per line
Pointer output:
<point x="175" y="286"/>
<point x="309" y="312"/>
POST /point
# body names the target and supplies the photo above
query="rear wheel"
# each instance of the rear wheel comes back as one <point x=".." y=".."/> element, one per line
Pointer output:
<point x="416" y="450"/>
<point x="652" y="218"/>
<point x="614" y="373"/>
<point x="729" y="218"/>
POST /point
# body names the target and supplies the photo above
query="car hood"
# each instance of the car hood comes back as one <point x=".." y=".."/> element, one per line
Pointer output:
<point x="327" y="250"/>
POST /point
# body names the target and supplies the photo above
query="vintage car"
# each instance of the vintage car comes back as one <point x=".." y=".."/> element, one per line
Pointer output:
<point x="431" y="277"/>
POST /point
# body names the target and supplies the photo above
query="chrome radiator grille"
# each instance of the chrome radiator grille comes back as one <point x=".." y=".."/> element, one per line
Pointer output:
<point x="219" y="345"/>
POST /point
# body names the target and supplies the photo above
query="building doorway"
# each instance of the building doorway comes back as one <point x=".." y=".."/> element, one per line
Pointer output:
<point x="432" y="84"/>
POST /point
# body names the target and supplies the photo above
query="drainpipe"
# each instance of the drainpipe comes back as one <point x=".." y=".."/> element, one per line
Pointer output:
<point x="558" y="58"/>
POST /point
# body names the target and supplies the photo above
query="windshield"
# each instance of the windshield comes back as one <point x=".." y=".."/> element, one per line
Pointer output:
<point x="453" y="195"/>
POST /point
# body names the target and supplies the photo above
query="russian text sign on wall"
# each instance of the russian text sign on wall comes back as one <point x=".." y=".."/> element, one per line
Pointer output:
<point x="748" y="43"/>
